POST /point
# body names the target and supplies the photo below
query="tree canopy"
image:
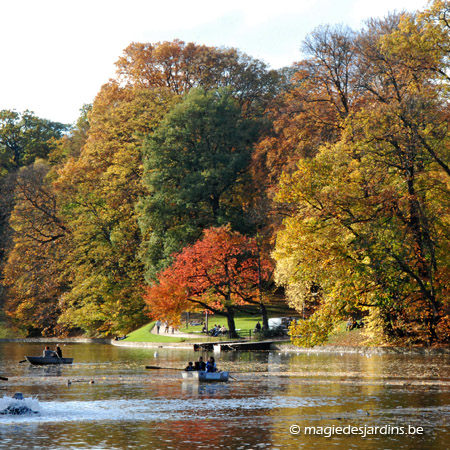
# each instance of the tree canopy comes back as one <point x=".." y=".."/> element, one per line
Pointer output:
<point x="195" y="171"/>
<point x="367" y="210"/>
<point x="220" y="272"/>
<point x="196" y="162"/>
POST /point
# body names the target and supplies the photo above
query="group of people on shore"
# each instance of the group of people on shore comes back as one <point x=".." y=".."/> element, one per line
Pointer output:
<point x="352" y="324"/>
<point x="209" y="366"/>
<point x="216" y="330"/>
<point x="57" y="353"/>
<point x="166" y="325"/>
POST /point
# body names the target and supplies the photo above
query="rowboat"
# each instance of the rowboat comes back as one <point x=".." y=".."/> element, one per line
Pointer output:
<point x="201" y="375"/>
<point x="45" y="361"/>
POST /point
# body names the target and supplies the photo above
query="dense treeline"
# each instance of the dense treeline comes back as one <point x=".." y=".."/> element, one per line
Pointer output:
<point x="197" y="166"/>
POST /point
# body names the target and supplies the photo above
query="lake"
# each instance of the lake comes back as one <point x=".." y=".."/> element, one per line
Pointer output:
<point x="276" y="401"/>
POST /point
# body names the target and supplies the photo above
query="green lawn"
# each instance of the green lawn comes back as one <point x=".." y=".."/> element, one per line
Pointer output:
<point x="241" y="322"/>
<point x="144" y="334"/>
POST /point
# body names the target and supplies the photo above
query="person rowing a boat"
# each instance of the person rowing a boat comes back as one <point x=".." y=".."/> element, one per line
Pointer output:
<point x="211" y="365"/>
<point x="189" y="367"/>
<point x="47" y="353"/>
<point x="58" y="351"/>
<point x="200" y="364"/>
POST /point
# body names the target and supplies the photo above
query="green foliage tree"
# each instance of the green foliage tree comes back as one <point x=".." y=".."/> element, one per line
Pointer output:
<point x="25" y="137"/>
<point x="196" y="172"/>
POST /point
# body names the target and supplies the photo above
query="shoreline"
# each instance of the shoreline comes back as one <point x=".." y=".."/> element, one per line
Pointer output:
<point x="176" y="345"/>
<point x="289" y="348"/>
<point x="366" y="350"/>
<point x="61" y="339"/>
<point x="284" y="347"/>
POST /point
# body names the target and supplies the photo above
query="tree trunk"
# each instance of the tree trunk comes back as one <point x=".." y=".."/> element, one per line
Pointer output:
<point x="265" y="319"/>
<point x="231" y="325"/>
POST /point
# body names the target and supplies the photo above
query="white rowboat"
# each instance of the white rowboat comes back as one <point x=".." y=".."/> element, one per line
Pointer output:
<point x="201" y="375"/>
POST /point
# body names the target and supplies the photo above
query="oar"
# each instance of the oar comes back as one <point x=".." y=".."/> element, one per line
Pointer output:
<point x="164" y="368"/>
<point x="23" y="360"/>
<point x="3" y="378"/>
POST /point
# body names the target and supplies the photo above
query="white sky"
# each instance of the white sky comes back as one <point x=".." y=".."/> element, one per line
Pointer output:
<point x="56" y="54"/>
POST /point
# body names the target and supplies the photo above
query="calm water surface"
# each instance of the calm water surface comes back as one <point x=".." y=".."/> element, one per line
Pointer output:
<point x="391" y="401"/>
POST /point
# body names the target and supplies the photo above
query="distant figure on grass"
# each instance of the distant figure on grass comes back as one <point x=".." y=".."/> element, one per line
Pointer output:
<point x="257" y="327"/>
<point x="158" y="325"/>
<point x="166" y="327"/>
<point x="350" y="324"/>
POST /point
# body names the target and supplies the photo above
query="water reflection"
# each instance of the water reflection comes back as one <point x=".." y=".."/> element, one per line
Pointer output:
<point x="130" y="407"/>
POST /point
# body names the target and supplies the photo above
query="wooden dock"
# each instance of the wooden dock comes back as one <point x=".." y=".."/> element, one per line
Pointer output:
<point x="244" y="345"/>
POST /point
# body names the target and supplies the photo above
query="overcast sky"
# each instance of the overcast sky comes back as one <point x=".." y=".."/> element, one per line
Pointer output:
<point x="56" y="54"/>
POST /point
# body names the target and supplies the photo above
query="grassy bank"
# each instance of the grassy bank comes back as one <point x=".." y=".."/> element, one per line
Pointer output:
<point x="144" y="334"/>
<point x="242" y="323"/>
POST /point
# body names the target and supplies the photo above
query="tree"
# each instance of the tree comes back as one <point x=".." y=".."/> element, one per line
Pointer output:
<point x="310" y="110"/>
<point x="98" y="189"/>
<point x="100" y="185"/>
<point x="196" y="172"/>
<point x="220" y="272"/>
<point x="97" y="171"/>
<point x="368" y="211"/>
<point x="35" y="268"/>
<point x="179" y="67"/>
<point x="25" y="137"/>
<point x="308" y="113"/>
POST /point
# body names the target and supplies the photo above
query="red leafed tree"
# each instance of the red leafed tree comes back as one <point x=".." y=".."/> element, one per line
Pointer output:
<point x="220" y="272"/>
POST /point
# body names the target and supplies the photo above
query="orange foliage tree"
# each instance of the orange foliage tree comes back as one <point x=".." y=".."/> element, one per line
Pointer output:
<point x="221" y="272"/>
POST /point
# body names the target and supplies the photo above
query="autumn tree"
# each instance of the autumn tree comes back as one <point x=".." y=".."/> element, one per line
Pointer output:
<point x="309" y="112"/>
<point x="97" y="170"/>
<point x="368" y="211"/>
<point x="179" y="67"/>
<point x="24" y="138"/>
<point x="34" y="272"/>
<point x="98" y="189"/>
<point x="221" y="272"/>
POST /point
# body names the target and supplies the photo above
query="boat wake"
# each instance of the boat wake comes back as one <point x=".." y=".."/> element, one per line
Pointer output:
<point x="18" y="405"/>
<point x="152" y="409"/>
